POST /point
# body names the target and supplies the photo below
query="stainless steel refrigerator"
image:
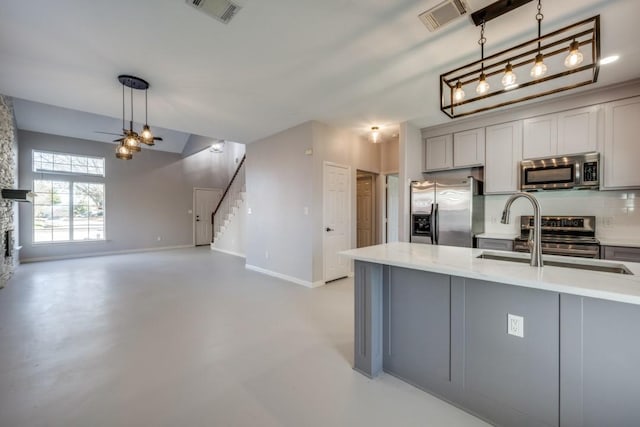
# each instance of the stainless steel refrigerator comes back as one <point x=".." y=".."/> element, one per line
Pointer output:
<point x="447" y="211"/>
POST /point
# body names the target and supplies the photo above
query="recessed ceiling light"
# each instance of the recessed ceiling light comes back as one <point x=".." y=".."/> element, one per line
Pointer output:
<point x="609" y="59"/>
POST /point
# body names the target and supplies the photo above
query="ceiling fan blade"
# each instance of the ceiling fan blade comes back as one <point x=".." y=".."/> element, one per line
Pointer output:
<point x="107" y="133"/>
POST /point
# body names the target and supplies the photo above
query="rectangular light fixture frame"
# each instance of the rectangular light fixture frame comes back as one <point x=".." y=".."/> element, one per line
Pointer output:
<point x="554" y="46"/>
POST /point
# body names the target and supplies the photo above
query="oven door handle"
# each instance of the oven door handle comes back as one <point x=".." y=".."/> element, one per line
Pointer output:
<point x="593" y="253"/>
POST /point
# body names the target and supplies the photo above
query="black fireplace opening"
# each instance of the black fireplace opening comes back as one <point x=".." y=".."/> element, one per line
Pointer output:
<point x="8" y="243"/>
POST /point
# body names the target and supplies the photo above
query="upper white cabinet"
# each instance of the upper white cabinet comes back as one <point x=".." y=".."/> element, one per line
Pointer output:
<point x="438" y="153"/>
<point x="568" y="132"/>
<point x="502" y="160"/>
<point x="460" y="150"/>
<point x="540" y="137"/>
<point x="621" y="147"/>
<point x="468" y="148"/>
<point x="577" y="130"/>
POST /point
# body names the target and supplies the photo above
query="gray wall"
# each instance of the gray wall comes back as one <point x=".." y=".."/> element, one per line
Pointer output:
<point x="8" y="179"/>
<point x="410" y="165"/>
<point x="227" y="160"/>
<point x="279" y="187"/>
<point x="282" y="181"/>
<point x="345" y="148"/>
<point x="146" y="197"/>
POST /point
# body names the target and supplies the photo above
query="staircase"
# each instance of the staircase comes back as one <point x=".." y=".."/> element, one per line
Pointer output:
<point x="230" y="203"/>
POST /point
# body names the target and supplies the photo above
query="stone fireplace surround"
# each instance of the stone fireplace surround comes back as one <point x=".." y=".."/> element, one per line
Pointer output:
<point x="8" y="179"/>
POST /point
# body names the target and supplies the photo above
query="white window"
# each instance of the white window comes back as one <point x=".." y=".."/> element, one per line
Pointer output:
<point x="68" y="208"/>
<point x="45" y="161"/>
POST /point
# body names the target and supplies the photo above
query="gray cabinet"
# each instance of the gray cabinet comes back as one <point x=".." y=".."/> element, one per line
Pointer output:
<point x="620" y="253"/>
<point x="416" y="340"/>
<point x="503" y="152"/>
<point x="621" y="148"/>
<point x="576" y="363"/>
<point x="495" y="244"/>
<point x="438" y="153"/>
<point x="468" y="148"/>
<point x="568" y="132"/>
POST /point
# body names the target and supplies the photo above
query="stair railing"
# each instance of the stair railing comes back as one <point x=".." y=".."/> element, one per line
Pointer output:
<point x="229" y="199"/>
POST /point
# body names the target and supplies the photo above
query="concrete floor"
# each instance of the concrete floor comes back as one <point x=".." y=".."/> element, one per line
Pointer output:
<point x="189" y="338"/>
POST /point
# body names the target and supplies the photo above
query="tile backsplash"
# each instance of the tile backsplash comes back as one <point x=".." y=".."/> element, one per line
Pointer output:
<point x="615" y="211"/>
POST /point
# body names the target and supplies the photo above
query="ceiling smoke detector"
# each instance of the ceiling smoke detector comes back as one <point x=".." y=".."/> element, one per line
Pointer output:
<point x="443" y="13"/>
<point x="222" y="10"/>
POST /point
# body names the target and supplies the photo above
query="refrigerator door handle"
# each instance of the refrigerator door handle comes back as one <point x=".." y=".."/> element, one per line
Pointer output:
<point x="431" y="223"/>
<point x="436" y="225"/>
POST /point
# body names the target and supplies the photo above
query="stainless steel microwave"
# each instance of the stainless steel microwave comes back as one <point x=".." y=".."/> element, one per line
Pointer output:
<point x="554" y="173"/>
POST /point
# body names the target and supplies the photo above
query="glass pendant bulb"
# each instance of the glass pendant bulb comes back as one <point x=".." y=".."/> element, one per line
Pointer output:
<point x="122" y="152"/>
<point x="509" y="78"/>
<point x="483" y="86"/>
<point x="146" y="135"/>
<point x="131" y="142"/>
<point x="458" y="92"/>
<point x="574" y="58"/>
<point x="539" y="69"/>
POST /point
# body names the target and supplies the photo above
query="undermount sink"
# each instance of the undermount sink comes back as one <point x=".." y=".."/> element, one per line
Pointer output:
<point x="592" y="266"/>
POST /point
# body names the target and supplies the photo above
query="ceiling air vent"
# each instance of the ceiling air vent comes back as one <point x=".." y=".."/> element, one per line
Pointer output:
<point x="442" y="14"/>
<point x="222" y="10"/>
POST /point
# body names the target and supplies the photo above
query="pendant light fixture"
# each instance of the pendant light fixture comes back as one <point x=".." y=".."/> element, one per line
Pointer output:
<point x="539" y="68"/>
<point x="375" y="134"/>
<point x="483" y="87"/>
<point x="576" y="45"/>
<point x="574" y="58"/>
<point x="130" y="141"/>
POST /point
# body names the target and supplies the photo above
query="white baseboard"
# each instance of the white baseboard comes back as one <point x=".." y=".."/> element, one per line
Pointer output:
<point x="106" y="253"/>
<point x="295" y="280"/>
<point x="224" y="251"/>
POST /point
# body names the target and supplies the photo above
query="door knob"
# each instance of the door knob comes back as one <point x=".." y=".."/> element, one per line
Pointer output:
<point x="329" y="229"/>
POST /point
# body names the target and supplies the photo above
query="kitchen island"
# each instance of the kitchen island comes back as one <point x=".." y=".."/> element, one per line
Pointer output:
<point x="439" y="318"/>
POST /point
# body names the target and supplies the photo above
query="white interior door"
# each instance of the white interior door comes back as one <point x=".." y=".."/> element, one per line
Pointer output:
<point x="337" y="216"/>
<point x="204" y="203"/>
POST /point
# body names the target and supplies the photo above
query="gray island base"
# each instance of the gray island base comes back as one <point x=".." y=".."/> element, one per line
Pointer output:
<point x="576" y="364"/>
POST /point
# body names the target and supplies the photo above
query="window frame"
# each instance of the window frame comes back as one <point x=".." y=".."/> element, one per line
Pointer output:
<point x="71" y="155"/>
<point x="70" y="178"/>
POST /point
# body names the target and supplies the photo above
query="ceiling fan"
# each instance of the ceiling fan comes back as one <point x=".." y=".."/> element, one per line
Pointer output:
<point x="130" y="141"/>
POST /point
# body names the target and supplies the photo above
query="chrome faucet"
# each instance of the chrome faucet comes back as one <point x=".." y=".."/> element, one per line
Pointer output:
<point x="535" y="246"/>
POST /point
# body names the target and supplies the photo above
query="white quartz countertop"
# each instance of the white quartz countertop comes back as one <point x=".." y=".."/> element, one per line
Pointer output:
<point x="463" y="262"/>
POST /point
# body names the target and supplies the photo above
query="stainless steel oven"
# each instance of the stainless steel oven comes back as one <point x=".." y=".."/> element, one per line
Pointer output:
<point x="562" y="235"/>
<point x="554" y="173"/>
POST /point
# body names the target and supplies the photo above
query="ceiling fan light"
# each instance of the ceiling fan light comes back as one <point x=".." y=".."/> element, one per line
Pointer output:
<point x="539" y="69"/>
<point x="458" y="92"/>
<point x="146" y="135"/>
<point x="483" y="87"/>
<point x="122" y="152"/>
<point x="509" y="78"/>
<point x="132" y="143"/>
<point x="575" y="57"/>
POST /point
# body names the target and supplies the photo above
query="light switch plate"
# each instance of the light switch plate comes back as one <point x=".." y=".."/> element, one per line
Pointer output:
<point x="515" y="325"/>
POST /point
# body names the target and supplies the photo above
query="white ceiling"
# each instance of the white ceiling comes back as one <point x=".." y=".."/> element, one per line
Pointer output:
<point x="354" y="64"/>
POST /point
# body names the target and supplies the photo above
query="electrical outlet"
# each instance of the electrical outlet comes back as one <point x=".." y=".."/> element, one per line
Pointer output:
<point x="306" y="210"/>
<point x="159" y="238"/>
<point x="266" y="254"/>
<point x="515" y="325"/>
